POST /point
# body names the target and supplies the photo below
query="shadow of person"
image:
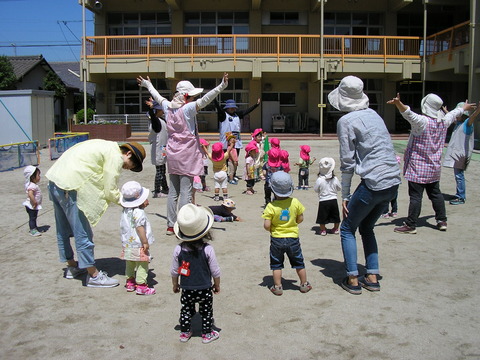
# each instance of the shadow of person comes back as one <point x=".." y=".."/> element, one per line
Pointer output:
<point x="196" y="325"/>
<point x="113" y="266"/>
<point x="316" y="229"/>
<point x="286" y="284"/>
<point x="43" y="228"/>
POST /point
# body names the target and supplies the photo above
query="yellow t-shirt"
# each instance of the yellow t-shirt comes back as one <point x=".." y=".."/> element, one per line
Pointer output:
<point x="91" y="168"/>
<point x="283" y="216"/>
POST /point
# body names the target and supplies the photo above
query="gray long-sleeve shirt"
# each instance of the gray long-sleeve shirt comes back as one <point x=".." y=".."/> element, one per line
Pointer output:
<point x="366" y="149"/>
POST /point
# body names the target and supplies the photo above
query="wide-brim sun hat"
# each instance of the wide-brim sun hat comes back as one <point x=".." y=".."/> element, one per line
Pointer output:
<point x="349" y="95"/>
<point x="431" y="106"/>
<point x="133" y="194"/>
<point x="230" y="104"/>
<point x="185" y="87"/>
<point x="204" y="142"/>
<point x="274" y="157"/>
<point x="138" y="152"/>
<point x="229" y="203"/>
<point x="217" y="152"/>
<point x="28" y="172"/>
<point x="281" y="184"/>
<point x="250" y="147"/>
<point x="193" y="222"/>
<point x="326" y="166"/>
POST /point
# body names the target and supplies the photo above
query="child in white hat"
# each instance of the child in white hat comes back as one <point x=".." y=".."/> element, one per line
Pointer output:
<point x="34" y="197"/>
<point x="327" y="186"/>
<point x="194" y="264"/>
<point x="136" y="234"/>
<point x="282" y="217"/>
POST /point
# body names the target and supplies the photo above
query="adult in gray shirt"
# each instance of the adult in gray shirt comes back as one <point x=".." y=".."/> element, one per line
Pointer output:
<point x="366" y="149"/>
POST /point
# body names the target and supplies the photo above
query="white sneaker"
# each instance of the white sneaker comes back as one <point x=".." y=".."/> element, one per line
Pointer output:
<point x="72" y="272"/>
<point x="102" y="280"/>
<point x="35" y="232"/>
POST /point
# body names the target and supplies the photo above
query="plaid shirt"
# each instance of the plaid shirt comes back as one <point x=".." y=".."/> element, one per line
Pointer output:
<point x="425" y="146"/>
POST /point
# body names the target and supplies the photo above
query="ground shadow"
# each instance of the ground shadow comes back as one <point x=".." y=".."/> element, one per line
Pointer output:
<point x="330" y="268"/>
<point x="43" y="228"/>
<point x="398" y="221"/>
<point x="196" y="325"/>
<point x="448" y="197"/>
<point x="286" y="284"/>
<point x="160" y="215"/>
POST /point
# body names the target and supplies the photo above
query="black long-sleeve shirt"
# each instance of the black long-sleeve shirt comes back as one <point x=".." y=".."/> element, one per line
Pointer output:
<point x="155" y="121"/>
<point x="222" y="115"/>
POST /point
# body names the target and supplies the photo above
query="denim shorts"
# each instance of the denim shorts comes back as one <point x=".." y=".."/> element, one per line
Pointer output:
<point x="281" y="246"/>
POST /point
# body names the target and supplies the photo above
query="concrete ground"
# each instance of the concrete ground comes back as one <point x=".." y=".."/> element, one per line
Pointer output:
<point x="427" y="308"/>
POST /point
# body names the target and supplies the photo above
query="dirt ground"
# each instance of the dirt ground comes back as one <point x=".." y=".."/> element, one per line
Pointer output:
<point x="427" y="308"/>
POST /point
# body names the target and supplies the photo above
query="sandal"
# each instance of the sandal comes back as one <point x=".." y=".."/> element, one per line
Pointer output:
<point x="352" y="289"/>
<point x="369" y="285"/>
<point x="276" y="290"/>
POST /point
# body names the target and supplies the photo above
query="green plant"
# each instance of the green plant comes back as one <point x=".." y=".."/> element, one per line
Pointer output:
<point x="7" y="75"/>
<point x="81" y="116"/>
<point x="52" y="82"/>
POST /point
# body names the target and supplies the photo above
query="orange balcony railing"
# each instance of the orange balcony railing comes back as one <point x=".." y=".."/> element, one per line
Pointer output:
<point x="241" y="46"/>
<point x="448" y="40"/>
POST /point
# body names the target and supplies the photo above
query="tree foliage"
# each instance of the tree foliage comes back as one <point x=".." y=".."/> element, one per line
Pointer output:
<point x="80" y="115"/>
<point x="52" y="82"/>
<point x="8" y="79"/>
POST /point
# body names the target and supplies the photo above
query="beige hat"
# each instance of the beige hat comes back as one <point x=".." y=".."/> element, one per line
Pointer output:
<point x="349" y="96"/>
<point x="133" y="194"/>
<point x="186" y="88"/>
<point x="326" y="166"/>
<point x="432" y="106"/>
<point x="193" y="222"/>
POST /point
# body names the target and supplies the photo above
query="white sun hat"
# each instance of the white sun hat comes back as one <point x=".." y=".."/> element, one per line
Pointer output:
<point x="133" y="194"/>
<point x="432" y="106"/>
<point x="349" y="95"/>
<point x="193" y="222"/>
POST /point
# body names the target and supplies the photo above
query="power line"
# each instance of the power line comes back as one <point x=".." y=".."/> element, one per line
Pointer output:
<point x="71" y="50"/>
<point x="39" y="45"/>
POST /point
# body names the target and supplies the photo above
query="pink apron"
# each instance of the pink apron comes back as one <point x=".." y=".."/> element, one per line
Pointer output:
<point x="184" y="156"/>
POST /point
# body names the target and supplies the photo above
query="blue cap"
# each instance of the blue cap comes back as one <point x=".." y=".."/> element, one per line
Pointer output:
<point x="230" y="104"/>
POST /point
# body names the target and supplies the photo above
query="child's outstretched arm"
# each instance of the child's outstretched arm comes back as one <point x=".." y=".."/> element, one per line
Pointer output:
<point x="142" y="234"/>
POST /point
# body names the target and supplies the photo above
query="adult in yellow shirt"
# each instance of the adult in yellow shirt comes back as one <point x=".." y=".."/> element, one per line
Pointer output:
<point x="82" y="182"/>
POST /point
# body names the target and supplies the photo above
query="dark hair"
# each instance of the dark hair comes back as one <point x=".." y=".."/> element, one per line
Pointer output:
<point x="133" y="158"/>
<point x="37" y="171"/>
<point x="197" y="244"/>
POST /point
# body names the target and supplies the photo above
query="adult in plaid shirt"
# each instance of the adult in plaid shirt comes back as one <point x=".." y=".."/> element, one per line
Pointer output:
<point x="422" y="161"/>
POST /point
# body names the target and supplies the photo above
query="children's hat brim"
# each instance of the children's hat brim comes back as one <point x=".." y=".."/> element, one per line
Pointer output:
<point x="133" y="203"/>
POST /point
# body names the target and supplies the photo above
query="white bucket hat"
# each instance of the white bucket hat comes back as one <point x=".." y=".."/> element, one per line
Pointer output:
<point x="133" y="194"/>
<point x="281" y="184"/>
<point x="186" y="88"/>
<point x="193" y="222"/>
<point x="326" y="166"/>
<point x="349" y="96"/>
<point x="432" y="106"/>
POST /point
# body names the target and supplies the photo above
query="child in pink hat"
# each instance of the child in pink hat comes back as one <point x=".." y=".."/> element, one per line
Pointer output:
<point x="272" y="165"/>
<point x="251" y="151"/>
<point x="205" y="167"/>
<point x="219" y="162"/>
<point x="304" y="163"/>
<point x="284" y="160"/>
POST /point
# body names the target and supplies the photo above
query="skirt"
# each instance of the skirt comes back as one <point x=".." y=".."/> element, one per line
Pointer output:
<point x="328" y="212"/>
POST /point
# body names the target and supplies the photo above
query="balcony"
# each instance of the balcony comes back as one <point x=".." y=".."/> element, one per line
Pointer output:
<point x="255" y="53"/>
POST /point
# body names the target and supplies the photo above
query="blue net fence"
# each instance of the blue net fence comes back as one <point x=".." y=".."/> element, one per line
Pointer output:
<point x="64" y="141"/>
<point x="18" y="155"/>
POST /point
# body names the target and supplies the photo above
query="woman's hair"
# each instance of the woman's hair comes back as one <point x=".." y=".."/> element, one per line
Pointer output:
<point x="133" y="158"/>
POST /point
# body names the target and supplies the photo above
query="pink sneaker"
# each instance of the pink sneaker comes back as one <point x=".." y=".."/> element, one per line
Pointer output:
<point x="145" y="290"/>
<point x="131" y="285"/>
<point x="185" y="336"/>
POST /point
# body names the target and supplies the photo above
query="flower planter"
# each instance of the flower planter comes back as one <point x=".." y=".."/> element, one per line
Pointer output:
<point x="114" y="132"/>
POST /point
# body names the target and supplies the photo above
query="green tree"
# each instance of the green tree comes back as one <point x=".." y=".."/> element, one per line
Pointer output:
<point x="52" y="82"/>
<point x="80" y="115"/>
<point x="7" y="75"/>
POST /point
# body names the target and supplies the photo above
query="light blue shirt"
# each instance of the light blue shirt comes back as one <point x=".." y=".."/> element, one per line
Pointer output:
<point x="366" y="149"/>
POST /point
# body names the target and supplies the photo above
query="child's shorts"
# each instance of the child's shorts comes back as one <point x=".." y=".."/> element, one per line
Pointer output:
<point x="281" y="246"/>
<point x="220" y="179"/>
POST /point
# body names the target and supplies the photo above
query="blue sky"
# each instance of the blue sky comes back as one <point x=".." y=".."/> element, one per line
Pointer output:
<point x="52" y="28"/>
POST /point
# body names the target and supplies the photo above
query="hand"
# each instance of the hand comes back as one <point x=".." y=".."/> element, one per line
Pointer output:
<point x="258" y="101"/>
<point x="345" y="208"/>
<point x="216" y="289"/>
<point x="149" y="103"/>
<point x="176" y="288"/>
<point x="142" y="82"/>
<point x="395" y="100"/>
<point x="469" y="106"/>
<point x="146" y="248"/>
<point x="225" y="78"/>
<point x="238" y="219"/>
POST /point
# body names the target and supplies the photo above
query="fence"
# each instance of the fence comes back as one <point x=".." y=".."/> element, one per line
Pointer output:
<point x="64" y="141"/>
<point x="18" y="155"/>
<point x="139" y="122"/>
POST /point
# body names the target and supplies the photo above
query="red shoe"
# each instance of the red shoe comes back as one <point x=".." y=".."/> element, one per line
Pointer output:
<point x="169" y="231"/>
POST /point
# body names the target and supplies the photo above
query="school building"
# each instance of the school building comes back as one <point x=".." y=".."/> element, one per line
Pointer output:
<point x="289" y="53"/>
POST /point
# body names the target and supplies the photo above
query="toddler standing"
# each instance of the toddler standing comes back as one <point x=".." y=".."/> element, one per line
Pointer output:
<point x="203" y="177"/>
<point x="194" y="264"/>
<point x="272" y="165"/>
<point x="251" y="151"/>
<point x="34" y="197"/>
<point x="232" y="159"/>
<point x="327" y="186"/>
<point x="219" y="162"/>
<point x="282" y="217"/>
<point x="304" y="163"/>
<point x="136" y="234"/>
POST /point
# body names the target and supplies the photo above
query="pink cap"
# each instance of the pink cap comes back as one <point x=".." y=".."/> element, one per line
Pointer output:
<point x="275" y="142"/>
<point x="217" y="151"/>
<point x="204" y="142"/>
<point x="256" y="132"/>
<point x="274" y="157"/>
<point x="305" y="152"/>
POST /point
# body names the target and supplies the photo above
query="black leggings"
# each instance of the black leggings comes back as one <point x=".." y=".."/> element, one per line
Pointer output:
<point x="32" y="218"/>
<point x="189" y="298"/>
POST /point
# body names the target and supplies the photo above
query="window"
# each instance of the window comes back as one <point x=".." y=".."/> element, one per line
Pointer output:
<point x="285" y="98"/>
<point x="353" y="24"/>
<point x="138" y="24"/>
<point x="237" y="89"/>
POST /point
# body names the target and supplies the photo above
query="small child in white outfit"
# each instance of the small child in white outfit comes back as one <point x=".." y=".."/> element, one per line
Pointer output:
<point x="327" y="186"/>
<point x="34" y="197"/>
<point x="136" y="234"/>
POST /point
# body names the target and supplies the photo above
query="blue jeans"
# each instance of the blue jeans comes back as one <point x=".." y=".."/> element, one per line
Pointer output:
<point x="364" y="209"/>
<point x="281" y="246"/>
<point x="460" y="180"/>
<point x="71" y="221"/>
